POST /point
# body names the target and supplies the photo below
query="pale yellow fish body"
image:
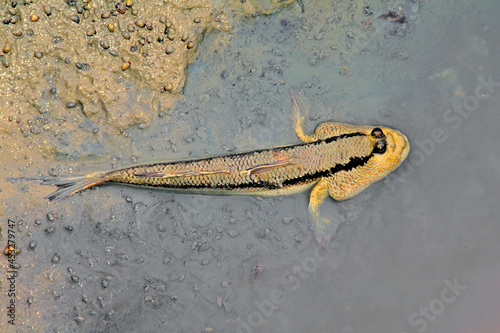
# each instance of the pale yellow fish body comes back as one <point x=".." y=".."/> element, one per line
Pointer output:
<point x="338" y="160"/>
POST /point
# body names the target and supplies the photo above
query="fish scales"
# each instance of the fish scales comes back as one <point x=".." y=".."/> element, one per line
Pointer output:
<point x="229" y="173"/>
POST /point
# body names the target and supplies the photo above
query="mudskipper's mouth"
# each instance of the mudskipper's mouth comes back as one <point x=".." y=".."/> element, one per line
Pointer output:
<point x="398" y="144"/>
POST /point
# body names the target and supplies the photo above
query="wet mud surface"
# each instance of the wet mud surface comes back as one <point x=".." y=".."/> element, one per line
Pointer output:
<point x="120" y="258"/>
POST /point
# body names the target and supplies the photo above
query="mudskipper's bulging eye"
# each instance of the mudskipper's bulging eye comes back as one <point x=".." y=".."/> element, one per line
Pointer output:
<point x="380" y="147"/>
<point x="377" y="133"/>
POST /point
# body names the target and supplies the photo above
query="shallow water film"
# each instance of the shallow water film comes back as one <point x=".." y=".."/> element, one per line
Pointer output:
<point x="92" y="85"/>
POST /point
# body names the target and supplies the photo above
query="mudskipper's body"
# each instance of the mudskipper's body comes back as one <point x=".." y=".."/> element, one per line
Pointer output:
<point x="338" y="160"/>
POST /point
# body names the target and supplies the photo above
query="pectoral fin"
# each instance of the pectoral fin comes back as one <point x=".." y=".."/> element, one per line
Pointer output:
<point x="298" y="103"/>
<point x="324" y="228"/>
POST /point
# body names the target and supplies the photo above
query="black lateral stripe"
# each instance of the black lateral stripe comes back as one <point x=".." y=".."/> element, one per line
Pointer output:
<point x="342" y="136"/>
<point x="256" y="185"/>
<point x="327" y="140"/>
<point x="353" y="163"/>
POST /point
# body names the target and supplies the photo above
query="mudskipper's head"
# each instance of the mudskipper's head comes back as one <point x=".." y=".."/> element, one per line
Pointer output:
<point x="390" y="148"/>
<point x="381" y="150"/>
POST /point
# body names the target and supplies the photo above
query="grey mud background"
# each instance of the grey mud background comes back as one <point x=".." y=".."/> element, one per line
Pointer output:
<point x="416" y="252"/>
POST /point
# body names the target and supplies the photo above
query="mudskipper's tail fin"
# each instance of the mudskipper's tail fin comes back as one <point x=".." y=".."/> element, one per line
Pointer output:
<point x="69" y="185"/>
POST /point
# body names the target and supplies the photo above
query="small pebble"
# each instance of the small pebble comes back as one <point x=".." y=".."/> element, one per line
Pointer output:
<point x="140" y="23"/>
<point x="79" y="319"/>
<point x="71" y="105"/>
<point x="149" y="25"/>
<point x="163" y="19"/>
<point x="168" y="87"/>
<point x="38" y="222"/>
<point x="56" y="258"/>
<point x="171" y="34"/>
<point x="6" y="21"/>
<point x="50" y="230"/>
<point x="13" y="4"/>
<point x="133" y="48"/>
<point x="69" y="228"/>
<point x="104" y="44"/>
<point x="190" y="45"/>
<point x="14" y="19"/>
<point x="104" y="283"/>
<point x="67" y="60"/>
<point x="75" y="278"/>
<point x="114" y="53"/>
<point x="79" y="65"/>
<point x="130" y="28"/>
<point x="125" y="65"/>
<point x="95" y="131"/>
<point x="120" y="8"/>
<point x="126" y="35"/>
<point x="197" y="20"/>
<point x="134" y="11"/>
<point x="75" y="18"/>
<point x="101" y="302"/>
<point x="169" y="24"/>
<point x="38" y="55"/>
<point x="17" y="33"/>
<point x="5" y="63"/>
<point x="87" y="6"/>
<point x="9" y="250"/>
<point x="32" y="245"/>
<point x="170" y="49"/>
<point x="6" y="48"/>
<point x="142" y="40"/>
<point x="111" y="27"/>
<point x="12" y="11"/>
<point x="51" y="216"/>
<point x="129" y="3"/>
<point x="34" y="18"/>
<point x="105" y="15"/>
<point x="91" y="31"/>
<point x="233" y="233"/>
<point x="47" y="10"/>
